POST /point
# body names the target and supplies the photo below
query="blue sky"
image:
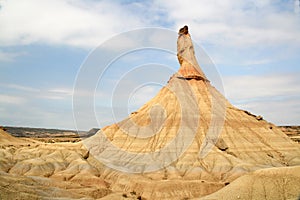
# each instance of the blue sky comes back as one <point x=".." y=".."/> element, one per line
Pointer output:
<point x="254" y="44"/>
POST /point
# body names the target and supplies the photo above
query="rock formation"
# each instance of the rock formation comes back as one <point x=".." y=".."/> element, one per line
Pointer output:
<point x="186" y="142"/>
<point x="189" y="134"/>
<point x="189" y="67"/>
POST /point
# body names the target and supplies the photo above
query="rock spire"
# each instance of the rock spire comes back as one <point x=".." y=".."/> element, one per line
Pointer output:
<point x="189" y="67"/>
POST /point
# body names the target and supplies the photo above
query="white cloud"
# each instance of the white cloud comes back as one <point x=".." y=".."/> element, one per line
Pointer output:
<point x="63" y="91"/>
<point x="10" y="99"/>
<point x="56" y="94"/>
<point x="76" y="22"/>
<point x="274" y="96"/>
<point x="31" y="93"/>
<point x="247" y="87"/>
<point x="21" y="87"/>
<point x="279" y="112"/>
<point x="297" y="7"/>
<point x="88" y="23"/>
<point x="36" y="115"/>
<point x="236" y="23"/>
<point x="257" y="62"/>
<point x="9" y="56"/>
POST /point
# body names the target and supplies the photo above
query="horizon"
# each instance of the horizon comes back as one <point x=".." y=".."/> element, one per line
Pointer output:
<point x="62" y="129"/>
<point x="253" y="44"/>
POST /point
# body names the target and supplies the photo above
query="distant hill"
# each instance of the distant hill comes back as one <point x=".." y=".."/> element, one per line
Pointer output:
<point x="292" y="131"/>
<point x="55" y="135"/>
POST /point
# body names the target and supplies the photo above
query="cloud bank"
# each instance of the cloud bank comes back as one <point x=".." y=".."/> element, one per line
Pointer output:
<point x="87" y="23"/>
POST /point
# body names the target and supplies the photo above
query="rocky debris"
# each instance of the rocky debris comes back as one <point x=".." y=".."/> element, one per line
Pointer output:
<point x="221" y="145"/>
<point x="259" y="117"/>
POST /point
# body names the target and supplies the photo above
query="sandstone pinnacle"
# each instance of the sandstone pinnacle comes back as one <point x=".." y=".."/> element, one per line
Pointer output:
<point x="189" y="67"/>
